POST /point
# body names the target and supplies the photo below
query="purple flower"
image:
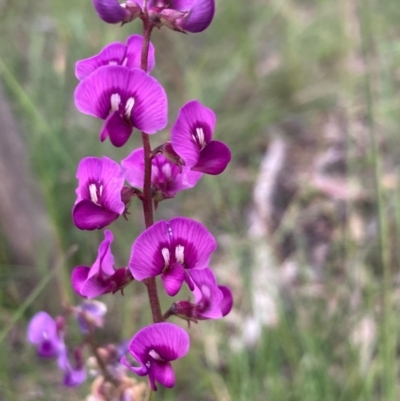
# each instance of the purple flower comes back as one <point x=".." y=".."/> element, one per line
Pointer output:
<point x="113" y="12"/>
<point x="166" y="179"/>
<point x="179" y="15"/>
<point x="154" y="347"/>
<point x="210" y="300"/>
<point x="125" y="99"/>
<point x="45" y="333"/>
<point x="99" y="203"/>
<point x="101" y="278"/>
<point x="75" y="373"/>
<point x="128" y="55"/>
<point x="191" y="139"/>
<point x="170" y="248"/>
<point x="89" y="314"/>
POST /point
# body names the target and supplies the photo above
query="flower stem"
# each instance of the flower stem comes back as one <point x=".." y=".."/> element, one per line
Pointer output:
<point x="147" y="195"/>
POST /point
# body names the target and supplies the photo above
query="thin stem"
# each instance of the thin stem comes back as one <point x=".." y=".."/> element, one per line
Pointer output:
<point x="147" y="195"/>
<point x="103" y="367"/>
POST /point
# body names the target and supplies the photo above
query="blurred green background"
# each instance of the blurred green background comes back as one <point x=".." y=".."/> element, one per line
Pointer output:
<point x="297" y="80"/>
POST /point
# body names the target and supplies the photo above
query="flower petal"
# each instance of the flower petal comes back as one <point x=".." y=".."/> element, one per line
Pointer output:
<point x="213" y="158"/>
<point x="104" y="264"/>
<point x="110" y="11"/>
<point x="227" y="302"/>
<point x="112" y="178"/>
<point x="192" y="116"/>
<point x="114" y="53"/>
<point x="173" y="279"/>
<point x="89" y="170"/>
<point x="42" y="332"/>
<point x="163" y="373"/>
<point x="149" y="110"/>
<point x="146" y="258"/>
<point x="117" y="129"/>
<point x="200" y="242"/>
<point x="133" y="166"/>
<point x="89" y="216"/>
<point x="200" y="16"/>
<point x="78" y="277"/>
<point x="134" y="53"/>
<point x="168" y="340"/>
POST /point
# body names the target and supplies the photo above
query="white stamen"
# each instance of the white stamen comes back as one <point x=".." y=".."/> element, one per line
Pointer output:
<point x="115" y="101"/>
<point x="101" y="190"/>
<point x="166" y="169"/>
<point x="155" y="355"/>
<point x="179" y="254"/>
<point x="165" y="253"/>
<point x="200" y="136"/>
<point x="129" y="106"/>
<point x="93" y="193"/>
<point x="45" y="335"/>
<point x="112" y="62"/>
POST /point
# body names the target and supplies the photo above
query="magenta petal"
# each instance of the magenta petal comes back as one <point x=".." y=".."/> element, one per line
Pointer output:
<point x="146" y="259"/>
<point x="163" y="373"/>
<point x="227" y="302"/>
<point x="213" y="158"/>
<point x="202" y="241"/>
<point x="118" y="85"/>
<point x="200" y="16"/>
<point x="168" y="340"/>
<point x="193" y="115"/>
<point x="42" y="332"/>
<point x="93" y="287"/>
<point x="173" y="279"/>
<point x="114" y="53"/>
<point x="117" y="129"/>
<point x="104" y="264"/>
<point x="110" y="11"/>
<point x="89" y="216"/>
<point x="134" y="53"/>
<point x="78" y="277"/>
<point x="133" y="166"/>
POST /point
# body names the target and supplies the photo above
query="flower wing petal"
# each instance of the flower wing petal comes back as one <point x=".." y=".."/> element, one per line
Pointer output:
<point x="133" y="166"/>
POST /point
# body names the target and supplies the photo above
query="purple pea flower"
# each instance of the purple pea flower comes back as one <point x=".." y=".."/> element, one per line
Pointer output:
<point x="112" y="12"/>
<point x="210" y="300"/>
<point x="75" y="372"/>
<point x="45" y="333"/>
<point x="171" y="248"/>
<point x="100" y="278"/>
<point x="98" y="203"/>
<point x="125" y="99"/>
<point x="154" y="347"/>
<point x="191" y="138"/>
<point x="90" y="313"/>
<point x="166" y="179"/>
<point x="117" y="53"/>
<point x="179" y="15"/>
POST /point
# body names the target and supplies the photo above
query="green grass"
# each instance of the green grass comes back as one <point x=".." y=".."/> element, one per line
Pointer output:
<point x="259" y="64"/>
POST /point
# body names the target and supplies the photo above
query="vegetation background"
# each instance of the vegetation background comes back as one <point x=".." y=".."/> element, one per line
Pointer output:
<point x="271" y="69"/>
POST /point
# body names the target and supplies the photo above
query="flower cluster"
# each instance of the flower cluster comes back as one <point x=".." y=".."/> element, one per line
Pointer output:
<point x="116" y="87"/>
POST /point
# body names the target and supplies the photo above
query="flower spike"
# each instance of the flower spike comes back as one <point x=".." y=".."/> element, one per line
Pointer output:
<point x="154" y="347"/>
